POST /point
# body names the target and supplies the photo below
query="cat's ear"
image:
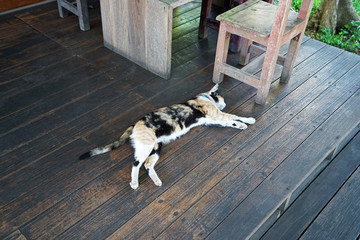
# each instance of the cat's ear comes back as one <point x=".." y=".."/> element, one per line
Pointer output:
<point x="214" y="89"/>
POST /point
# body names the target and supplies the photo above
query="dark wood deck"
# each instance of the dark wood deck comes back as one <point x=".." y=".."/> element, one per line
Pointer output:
<point x="63" y="93"/>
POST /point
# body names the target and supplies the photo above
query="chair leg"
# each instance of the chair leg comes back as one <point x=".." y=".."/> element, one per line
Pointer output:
<point x="221" y="53"/>
<point x="204" y="16"/>
<point x="62" y="11"/>
<point x="83" y="14"/>
<point x="290" y="58"/>
<point x="244" y="51"/>
<point x="267" y="74"/>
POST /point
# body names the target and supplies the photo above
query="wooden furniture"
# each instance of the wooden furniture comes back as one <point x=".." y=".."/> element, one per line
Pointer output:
<point x="268" y="25"/>
<point x="141" y="31"/>
<point x="206" y="21"/>
<point x="80" y="9"/>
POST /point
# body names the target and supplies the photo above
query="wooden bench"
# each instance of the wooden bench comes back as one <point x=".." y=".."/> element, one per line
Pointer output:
<point x="141" y="31"/>
<point x="80" y="9"/>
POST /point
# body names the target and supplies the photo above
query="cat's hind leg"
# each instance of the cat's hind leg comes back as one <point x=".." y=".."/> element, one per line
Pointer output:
<point x="142" y="151"/>
<point x="150" y="164"/>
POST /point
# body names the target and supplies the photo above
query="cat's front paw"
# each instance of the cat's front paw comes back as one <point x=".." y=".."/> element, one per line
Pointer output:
<point x="251" y="120"/>
<point x="134" y="185"/>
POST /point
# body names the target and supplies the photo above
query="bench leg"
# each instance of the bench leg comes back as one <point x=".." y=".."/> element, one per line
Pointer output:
<point x="83" y="14"/>
<point x="62" y="11"/>
<point x="221" y="53"/>
<point x="204" y="16"/>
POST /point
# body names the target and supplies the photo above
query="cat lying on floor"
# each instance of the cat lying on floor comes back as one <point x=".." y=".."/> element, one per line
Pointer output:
<point x="167" y="124"/>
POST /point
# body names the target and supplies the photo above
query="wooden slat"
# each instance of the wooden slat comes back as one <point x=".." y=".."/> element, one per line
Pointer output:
<point x="174" y="176"/>
<point x="307" y="207"/>
<point x="203" y="216"/>
<point x="49" y="194"/>
<point x="27" y="206"/>
<point x="13" y="90"/>
<point x="17" y="235"/>
<point x="32" y="66"/>
<point x="284" y="181"/>
<point x="341" y="217"/>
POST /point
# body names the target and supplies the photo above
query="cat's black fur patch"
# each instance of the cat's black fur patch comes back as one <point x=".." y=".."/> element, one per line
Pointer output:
<point x="194" y="116"/>
<point x="156" y="151"/>
<point x="160" y="125"/>
<point x="136" y="163"/>
<point x="214" y="95"/>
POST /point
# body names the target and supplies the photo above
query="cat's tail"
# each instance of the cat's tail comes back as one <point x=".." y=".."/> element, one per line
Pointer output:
<point x="100" y="150"/>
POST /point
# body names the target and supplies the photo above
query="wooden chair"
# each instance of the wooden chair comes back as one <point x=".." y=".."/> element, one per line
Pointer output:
<point x="80" y="9"/>
<point x="269" y="25"/>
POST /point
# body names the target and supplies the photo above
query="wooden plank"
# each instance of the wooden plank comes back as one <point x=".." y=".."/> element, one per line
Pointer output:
<point x="200" y="48"/>
<point x="189" y="16"/>
<point x="49" y="104"/>
<point x="175" y="3"/>
<point x="27" y="51"/>
<point x="33" y="95"/>
<point x="57" y="119"/>
<point x="126" y="119"/>
<point x="126" y="113"/>
<point x="120" y="174"/>
<point x="7" y="5"/>
<point x="158" y="40"/>
<point x="32" y="66"/>
<point x="17" y="235"/>
<point x="341" y="217"/>
<point x="27" y="206"/>
<point x="289" y="175"/>
<point x="14" y="87"/>
<point x="203" y="216"/>
<point x="14" y="160"/>
<point x="116" y="206"/>
<point x="186" y="7"/>
<point x="310" y="203"/>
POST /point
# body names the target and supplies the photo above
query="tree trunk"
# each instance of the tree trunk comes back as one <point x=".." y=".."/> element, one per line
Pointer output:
<point x="333" y="13"/>
<point x="346" y="13"/>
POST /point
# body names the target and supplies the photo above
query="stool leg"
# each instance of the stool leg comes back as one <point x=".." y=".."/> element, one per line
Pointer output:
<point x="204" y="16"/>
<point x="221" y="53"/>
<point x="62" y="11"/>
<point x="83" y="14"/>
<point x="290" y="58"/>
<point x="267" y="73"/>
<point x="244" y="51"/>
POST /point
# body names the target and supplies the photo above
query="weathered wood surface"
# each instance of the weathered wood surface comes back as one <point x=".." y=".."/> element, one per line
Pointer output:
<point x="140" y="31"/>
<point x="61" y="102"/>
<point x="300" y="215"/>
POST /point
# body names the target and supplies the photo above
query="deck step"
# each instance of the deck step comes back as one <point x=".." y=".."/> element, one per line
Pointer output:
<point x="253" y="217"/>
<point x="313" y="203"/>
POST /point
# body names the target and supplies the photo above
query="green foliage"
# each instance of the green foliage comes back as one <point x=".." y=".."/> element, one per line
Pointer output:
<point x="296" y="4"/>
<point x="347" y="38"/>
<point x="356" y="4"/>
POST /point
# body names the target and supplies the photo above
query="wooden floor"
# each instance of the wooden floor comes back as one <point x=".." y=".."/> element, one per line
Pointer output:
<point x="62" y="93"/>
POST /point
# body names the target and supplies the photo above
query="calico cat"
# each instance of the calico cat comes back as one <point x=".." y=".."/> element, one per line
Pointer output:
<point x="167" y="124"/>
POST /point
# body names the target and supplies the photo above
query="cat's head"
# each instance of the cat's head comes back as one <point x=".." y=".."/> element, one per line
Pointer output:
<point x="218" y="100"/>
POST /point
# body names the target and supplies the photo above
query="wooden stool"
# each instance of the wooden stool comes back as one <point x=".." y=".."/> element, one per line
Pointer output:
<point x="81" y="10"/>
<point x="269" y="25"/>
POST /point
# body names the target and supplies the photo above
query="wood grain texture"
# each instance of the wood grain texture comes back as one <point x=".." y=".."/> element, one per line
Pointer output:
<point x="144" y="36"/>
<point x="340" y="218"/>
<point x="87" y="95"/>
<point x="298" y="217"/>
